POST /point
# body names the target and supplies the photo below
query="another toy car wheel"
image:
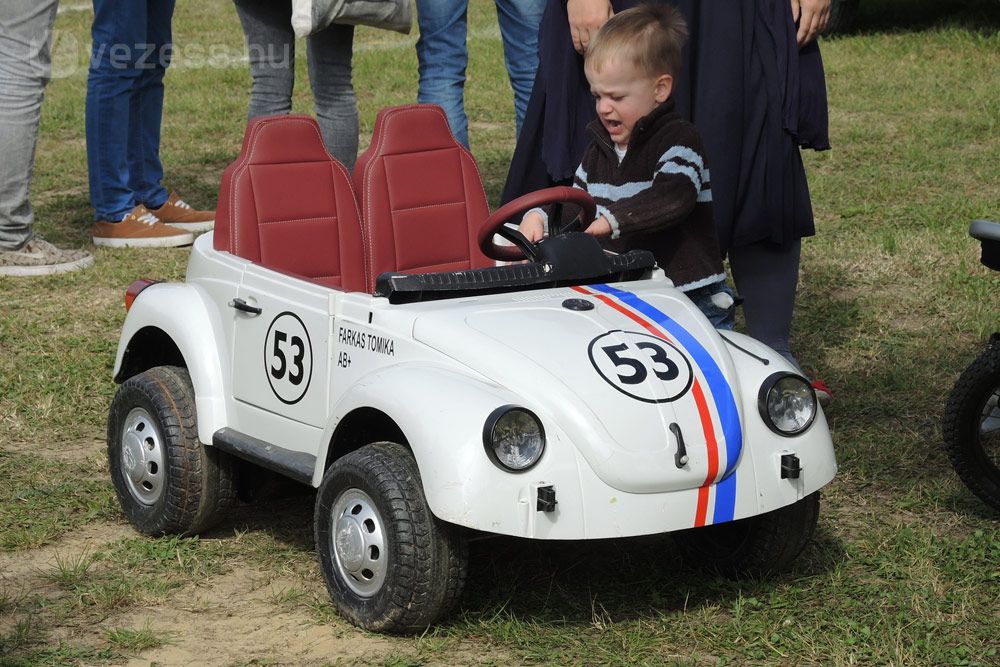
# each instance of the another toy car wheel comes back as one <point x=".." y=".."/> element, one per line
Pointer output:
<point x="166" y="481"/>
<point x="758" y="546"/>
<point x="389" y="565"/>
<point x="971" y="425"/>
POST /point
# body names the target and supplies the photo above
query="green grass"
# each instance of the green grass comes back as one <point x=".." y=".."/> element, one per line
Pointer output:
<point x="893" y="303"/>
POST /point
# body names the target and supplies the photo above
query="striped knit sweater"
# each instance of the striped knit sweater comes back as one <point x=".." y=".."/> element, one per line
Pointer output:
<point x="659" y="198"/>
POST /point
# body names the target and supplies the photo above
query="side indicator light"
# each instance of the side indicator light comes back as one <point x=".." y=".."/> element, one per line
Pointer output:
<point x="133" y="290"/>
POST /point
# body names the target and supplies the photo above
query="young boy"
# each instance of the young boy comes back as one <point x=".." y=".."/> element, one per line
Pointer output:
<point x="645" y="167"/>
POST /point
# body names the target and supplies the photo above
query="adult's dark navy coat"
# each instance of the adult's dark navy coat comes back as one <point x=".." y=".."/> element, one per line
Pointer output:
<point x="754" y="96"/>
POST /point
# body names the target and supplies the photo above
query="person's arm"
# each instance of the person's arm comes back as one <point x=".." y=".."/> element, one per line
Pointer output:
<point x="812" y="17"/>
<point x="679" y="183"/>
<point x="585" y="18"/>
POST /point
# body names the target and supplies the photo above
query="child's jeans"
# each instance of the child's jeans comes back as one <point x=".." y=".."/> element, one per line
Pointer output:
<point x="717" y="302"/>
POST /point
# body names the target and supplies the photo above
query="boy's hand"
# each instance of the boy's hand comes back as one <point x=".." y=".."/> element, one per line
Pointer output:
<point x="532" y="226"/>
<point x="599" y="227"/>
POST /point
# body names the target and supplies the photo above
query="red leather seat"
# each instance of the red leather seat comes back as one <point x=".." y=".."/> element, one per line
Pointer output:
<point x="422" y="200"/>
<point x="287" y="205"/>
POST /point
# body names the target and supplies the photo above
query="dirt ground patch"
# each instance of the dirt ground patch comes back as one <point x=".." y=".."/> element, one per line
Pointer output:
<point x="247" y="615"/>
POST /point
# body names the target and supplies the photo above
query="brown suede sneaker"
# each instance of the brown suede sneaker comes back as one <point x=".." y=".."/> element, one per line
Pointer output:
<point x="177" y="213"/>
<point x="139" y="229"/>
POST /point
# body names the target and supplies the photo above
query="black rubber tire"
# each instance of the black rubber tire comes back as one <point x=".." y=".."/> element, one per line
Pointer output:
<point x="425" y="560"/>
<point x="975" y="457"/>
<point x="843" y="15"/>
<point x="197" y="486"/>
<point x="758" y="546"/>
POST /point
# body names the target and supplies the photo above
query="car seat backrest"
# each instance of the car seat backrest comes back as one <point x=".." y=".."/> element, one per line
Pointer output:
<point x="287" y="205"/>
<point x="421" y="197"/>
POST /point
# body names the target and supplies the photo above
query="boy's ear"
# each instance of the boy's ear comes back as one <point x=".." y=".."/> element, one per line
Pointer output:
<point x="662" y="87"/>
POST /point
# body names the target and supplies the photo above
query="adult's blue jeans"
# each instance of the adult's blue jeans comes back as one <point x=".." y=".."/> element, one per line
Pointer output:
<point x="130" y="55"/>
<point x="443" y="56"/>
<point x="25" y="67"/>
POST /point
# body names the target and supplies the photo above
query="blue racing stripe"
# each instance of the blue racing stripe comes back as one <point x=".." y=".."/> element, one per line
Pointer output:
<point x="722" y="394"/>
<point x="725" y="499"/>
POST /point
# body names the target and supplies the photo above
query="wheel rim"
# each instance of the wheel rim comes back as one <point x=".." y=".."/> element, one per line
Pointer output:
<point x="357" y="541"/>
<point x="142" y="457"/>
<point x="989" y="429"/>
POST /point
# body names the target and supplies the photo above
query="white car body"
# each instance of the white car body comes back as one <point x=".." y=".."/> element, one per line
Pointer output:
<point x="282" y="388"/>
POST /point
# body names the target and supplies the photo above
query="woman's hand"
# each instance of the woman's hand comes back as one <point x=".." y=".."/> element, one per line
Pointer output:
<point x="586" y="17"/>
<point x="812" y="17"/>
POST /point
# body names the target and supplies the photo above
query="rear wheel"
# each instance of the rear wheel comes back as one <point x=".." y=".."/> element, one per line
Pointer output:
<point x="389" y="565"/>
<point x="971" y="425"/>
<point x="165" y="479"/>
<point x="758" y="546"/>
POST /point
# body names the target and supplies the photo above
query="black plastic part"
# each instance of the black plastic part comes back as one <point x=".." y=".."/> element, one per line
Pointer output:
<point x="681" y="455"/>
<point x="546" y="499"/>
<point x="568" y="259"/>
<point x="791" y="467"/>
<point x="241" y="305"/>
<point x="295" y="465"/>
<point x="744" y="350"/>
<point x="578" y="304"/>
<point x="988" y="234"/>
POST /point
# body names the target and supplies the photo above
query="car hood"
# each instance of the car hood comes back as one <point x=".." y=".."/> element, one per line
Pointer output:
<point x="626" y="374"/>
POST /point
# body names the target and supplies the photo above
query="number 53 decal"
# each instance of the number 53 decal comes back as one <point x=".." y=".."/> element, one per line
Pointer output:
<point x="288" y="358"/>
<point x="642" y="366"/>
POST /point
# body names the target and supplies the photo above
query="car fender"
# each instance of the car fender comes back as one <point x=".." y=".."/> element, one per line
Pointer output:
<point x="184" y="313"/>
<point x="442" y="413"/>
<point x="754" y="363"/>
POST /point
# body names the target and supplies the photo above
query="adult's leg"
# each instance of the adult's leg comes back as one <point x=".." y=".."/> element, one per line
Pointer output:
<point x="519" y="21"/>
<point x="25" y="40"/>
<point x="271" y="51"/>
<point x="329" y="54"/>
<point x="442" y="58"/>
<point x="119" y="39"/>
<point x="146" y="111"/>
<point x="767" y="276"/>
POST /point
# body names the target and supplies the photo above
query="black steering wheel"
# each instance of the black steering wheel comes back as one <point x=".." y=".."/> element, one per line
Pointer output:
<point x="513" y="210"/>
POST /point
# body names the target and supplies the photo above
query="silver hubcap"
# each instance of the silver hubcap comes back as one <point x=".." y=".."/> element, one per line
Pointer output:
<point x="358" y="542"/>
<point x="991" y="415"/>
<point x="142" y="457"/>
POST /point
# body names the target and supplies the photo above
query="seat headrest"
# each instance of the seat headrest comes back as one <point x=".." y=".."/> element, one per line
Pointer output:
<point x="283" y="139"/>
<point x="412" y="128"/>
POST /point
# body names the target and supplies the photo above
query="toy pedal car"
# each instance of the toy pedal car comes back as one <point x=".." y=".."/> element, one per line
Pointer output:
<point x="970" y="422"/>
<point x="383" y="357"/>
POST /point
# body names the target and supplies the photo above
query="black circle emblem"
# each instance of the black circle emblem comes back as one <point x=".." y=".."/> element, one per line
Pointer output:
<point x="288" y="358"/>
<point x="640" y="365"/>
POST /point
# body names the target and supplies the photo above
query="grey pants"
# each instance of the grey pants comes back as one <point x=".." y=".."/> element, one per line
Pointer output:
<point x="271" y="49"/>
<point x="25" y="67"/>
<point x="767" y="277"/>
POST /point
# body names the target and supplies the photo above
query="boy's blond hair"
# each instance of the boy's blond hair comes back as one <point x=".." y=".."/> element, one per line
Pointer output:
<point x="650" y="36"/>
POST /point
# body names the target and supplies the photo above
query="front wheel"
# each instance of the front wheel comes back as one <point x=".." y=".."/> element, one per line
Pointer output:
<point x="389" y="565"/>
<point x="757" y="546"/>
<point x="971" y="425"/>
<point x="166" y="481"/>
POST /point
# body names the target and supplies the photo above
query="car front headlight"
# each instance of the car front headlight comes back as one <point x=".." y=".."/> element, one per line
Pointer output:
<point x="787" y="403"/>
<point x="514" y="438"/>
